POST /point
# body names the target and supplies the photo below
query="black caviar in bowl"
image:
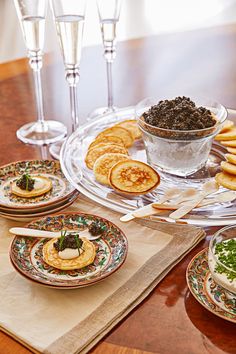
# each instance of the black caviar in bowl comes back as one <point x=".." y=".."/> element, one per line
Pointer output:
<point x="179" y="118"/>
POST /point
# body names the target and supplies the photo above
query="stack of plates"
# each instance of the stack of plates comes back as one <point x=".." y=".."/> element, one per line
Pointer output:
<point x="17" y="208"/>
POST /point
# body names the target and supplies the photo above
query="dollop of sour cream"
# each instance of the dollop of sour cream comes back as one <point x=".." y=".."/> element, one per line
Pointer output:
<point x="38" y="183"/>
<point x="70" y="253"/>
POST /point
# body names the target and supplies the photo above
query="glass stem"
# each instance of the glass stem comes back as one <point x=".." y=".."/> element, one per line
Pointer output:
<point x="74" y="107"/>
<point x="44" y="152"/>
<point x="72" y="77"/>
<point x="110" y="101"/>
<point x="36" y="65"/>
<point x="109" y="55"/>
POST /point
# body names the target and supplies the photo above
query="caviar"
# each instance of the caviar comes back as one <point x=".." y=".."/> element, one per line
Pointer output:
<point x="25" y="182"/>
<point x="179" y="114"/>
<point x="68" y="241"/>
<point x="95" y="228"/>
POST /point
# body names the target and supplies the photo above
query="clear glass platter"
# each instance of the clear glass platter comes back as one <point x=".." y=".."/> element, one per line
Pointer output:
<point x="72" y="162"/>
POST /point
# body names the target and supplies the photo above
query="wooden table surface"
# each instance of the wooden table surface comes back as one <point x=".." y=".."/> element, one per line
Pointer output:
<point x="196" y="63"/>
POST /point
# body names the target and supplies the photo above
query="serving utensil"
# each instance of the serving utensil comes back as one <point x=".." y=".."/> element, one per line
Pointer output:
<point x="144" y="211"/>
<point x="207" y="189"/>
<point x="157" y="208"/>
<point x="23" y="231"/>
<point x="187" y="194"/>
<point x="223" y="197"/>
<point x="170" y="194"/>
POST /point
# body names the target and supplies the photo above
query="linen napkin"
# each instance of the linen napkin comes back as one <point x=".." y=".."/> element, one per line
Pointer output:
<point x="56" y="321"/>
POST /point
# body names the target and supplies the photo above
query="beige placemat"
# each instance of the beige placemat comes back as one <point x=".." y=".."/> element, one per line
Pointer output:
<point x="73" y="321"/>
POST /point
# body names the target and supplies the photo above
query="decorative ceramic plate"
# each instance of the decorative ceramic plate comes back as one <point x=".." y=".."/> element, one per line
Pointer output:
<point x="48" y="208"/>
<point x="75" y="170"/>
<point x="111" y="252"/>
<point x="32" y="216"/>
<point x="51" y="169"/>
<point x="212" y="296"/>
<point x="21" y="211"/>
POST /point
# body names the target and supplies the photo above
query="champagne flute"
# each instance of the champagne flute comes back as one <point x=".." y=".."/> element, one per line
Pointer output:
<point x="32" y="15"/>
<point x="109" y="14"/>
<point x="69" y="19"/>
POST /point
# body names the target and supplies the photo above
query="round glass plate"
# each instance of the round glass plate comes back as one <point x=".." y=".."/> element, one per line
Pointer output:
<point x="73" y="166"/>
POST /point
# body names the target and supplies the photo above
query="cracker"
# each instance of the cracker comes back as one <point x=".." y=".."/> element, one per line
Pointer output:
<point x="102" y="144"/>
<point x="231" y="158"/>
<point x="231" y="150"/>
<point x="132" y="126"/>
<point x="226" y="180"/>
<point x="94" y="153"/>
<point x="229" y="143"/>
<point x="228" y="167"/>
<point x="108" y="139"/>
<point x="228" y="124"/>
<point x="228" y="135"/>
<point x="103" y="165"/>
<point x="121" y="132"/>
<point x="133" y="177"/>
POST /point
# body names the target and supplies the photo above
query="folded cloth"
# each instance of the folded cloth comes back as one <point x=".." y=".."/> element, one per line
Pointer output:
<point x="55" y="321"/>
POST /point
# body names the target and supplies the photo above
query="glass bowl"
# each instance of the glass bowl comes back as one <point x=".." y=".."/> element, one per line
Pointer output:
<point x="223" y="267"/>
<point x="179" y="152"/>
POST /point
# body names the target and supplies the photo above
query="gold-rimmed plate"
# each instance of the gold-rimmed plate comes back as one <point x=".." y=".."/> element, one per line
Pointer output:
<point x="61" y="188"/>
<point x="50" y="207"/>
<point x="27" y="217"/>
<point x="206" y="291"/>
<point x="111" y="251"/>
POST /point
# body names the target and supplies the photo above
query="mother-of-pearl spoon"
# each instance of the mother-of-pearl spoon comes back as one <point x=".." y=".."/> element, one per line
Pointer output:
<point x="187" y="194"/>
<point x="223" y="197"/>
<point x="23" y="231"/>
<point x="157" y="208"/>
<point x="169" y="194"/>
<point x="207" y="189"/>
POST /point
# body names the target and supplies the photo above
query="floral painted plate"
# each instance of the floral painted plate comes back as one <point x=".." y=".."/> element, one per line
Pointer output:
<point x="51" y="169"/>
<point x="30" y="217"/>
<point x="50" y="206"/>
<point x="212" y="296"/>
<point x="49" y="209"/>
<point x="111" y="252"/>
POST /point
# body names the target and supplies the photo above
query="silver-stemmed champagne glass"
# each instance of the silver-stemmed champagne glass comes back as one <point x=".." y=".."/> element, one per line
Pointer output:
<point x="69" y="19"/>
<point x="32" y="16"/>
<point x="109" y="14"/>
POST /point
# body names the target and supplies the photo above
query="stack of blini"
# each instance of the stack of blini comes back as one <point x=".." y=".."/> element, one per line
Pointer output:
<point x="109" y="159"/>
<point x="50" y="194"/>
<point x="227" y="137"/>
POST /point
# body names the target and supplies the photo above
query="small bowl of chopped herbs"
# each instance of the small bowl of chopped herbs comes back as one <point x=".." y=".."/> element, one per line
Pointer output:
<point x="222" y="258"/>
<point x="178" y="133"/>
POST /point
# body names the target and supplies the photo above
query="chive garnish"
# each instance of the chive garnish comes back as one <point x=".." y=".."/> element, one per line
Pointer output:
<point x="226" y="254"/>
<point x="61" y="240"/>
<point x="79" y="243"/>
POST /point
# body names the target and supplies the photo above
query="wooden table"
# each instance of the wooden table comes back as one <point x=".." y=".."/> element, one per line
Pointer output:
<point x="194" y="63"/>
